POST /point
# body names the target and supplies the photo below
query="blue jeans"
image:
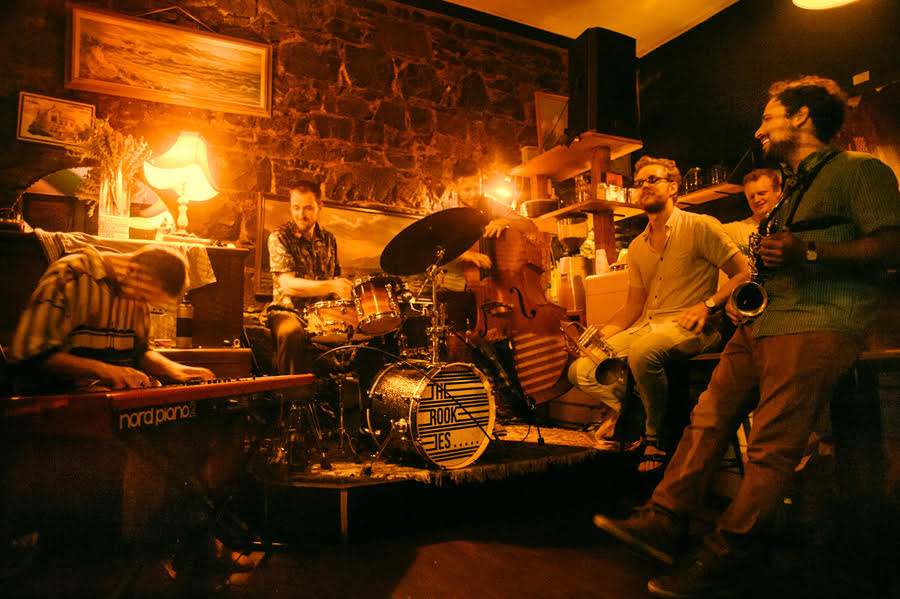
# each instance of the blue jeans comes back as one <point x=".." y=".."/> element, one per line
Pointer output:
<point x="649" y="348"/>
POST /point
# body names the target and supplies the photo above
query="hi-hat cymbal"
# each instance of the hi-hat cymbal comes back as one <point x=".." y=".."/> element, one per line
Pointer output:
<point x="416" y="247"/>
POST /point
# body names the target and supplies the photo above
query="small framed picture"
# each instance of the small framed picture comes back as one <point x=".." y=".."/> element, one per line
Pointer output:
<point x="552" y="119"/>
<point x="53" y="121"/>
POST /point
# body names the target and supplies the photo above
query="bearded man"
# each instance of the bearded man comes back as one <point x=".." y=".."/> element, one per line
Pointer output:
<point x="826" y="243"/>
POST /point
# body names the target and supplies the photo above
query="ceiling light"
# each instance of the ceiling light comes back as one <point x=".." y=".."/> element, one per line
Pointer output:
<point x="821" y="4"/>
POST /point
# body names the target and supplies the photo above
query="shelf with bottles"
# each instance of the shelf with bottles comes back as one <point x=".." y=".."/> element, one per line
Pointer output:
<point x="564" y="162"/>
<point x="547" y="222"/>
<point x="709" y="194"/>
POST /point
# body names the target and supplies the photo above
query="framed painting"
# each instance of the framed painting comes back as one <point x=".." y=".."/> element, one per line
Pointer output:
<point x="53" y="121"/>
<point x="361" y="235"/>
<point x="137" y="58"/>
<point x="552" y="119"/>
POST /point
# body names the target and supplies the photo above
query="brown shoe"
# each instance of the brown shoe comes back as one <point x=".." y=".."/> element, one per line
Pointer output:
<point x="650" y="532"/>
<point x="702" y="579"/>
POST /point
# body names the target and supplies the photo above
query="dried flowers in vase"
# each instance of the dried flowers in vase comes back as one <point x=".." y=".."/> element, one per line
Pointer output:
<point x="119" y="159"/>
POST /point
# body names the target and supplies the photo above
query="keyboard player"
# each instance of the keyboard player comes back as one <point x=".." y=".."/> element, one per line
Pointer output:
<point x="87" y="323"/>
<point x="86" y="328"/>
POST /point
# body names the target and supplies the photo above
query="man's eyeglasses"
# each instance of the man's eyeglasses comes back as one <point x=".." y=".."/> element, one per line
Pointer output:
<point x="652" y="180"/>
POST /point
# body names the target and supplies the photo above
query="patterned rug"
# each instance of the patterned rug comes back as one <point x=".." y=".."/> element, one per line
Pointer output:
<point x="519" y="453"/>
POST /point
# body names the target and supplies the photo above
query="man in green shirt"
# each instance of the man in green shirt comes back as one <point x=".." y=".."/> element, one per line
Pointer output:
<point x="836" y="226"/>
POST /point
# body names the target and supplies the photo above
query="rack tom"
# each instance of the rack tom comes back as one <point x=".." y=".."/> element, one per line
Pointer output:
<point x="376" y="305"/>
<point x="414" y="336"/>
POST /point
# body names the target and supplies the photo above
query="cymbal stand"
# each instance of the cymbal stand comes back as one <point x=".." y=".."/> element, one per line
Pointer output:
<point x="438" y="329"/>
<point x="343" y="374"/>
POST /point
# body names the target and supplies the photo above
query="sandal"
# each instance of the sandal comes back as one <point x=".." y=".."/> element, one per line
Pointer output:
<point x="658" y="460"/>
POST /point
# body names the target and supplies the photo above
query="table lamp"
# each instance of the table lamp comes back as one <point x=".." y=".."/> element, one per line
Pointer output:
<point x="184" y="169"/>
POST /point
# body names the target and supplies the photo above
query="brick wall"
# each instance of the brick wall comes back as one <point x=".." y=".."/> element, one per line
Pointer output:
<point x="374" y="98"/>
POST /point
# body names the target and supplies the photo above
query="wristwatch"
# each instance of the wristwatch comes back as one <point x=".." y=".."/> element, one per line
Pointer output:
<point x="711" y="305"/>
<point x="811" y="254"/>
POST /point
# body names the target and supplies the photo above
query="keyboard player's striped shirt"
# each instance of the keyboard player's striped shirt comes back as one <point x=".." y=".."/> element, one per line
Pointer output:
<point x="77" y="308"/>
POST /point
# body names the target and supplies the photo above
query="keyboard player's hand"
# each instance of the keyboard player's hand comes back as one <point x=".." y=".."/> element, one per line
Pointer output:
<point x="191" y="374"/>
<point x="123" y="377"/>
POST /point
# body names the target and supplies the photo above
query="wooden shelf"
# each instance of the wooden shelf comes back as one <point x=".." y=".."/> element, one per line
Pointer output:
<point x="565" y="162"/>
<point x="619" y="210"/>
<point x="708" y="194"/>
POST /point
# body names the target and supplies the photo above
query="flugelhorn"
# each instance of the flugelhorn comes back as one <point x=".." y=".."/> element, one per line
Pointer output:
<point x="588" y="337"/>
<point x="610" y="370"/>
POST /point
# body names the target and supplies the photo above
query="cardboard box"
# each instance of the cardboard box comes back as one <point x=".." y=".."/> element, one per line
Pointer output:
<point x="604" y="295"/>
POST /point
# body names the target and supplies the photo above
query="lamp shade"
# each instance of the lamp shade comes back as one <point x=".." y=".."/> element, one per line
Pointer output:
<point x="188" y="180"/>
<point x="189" y="149"/>
<point x="183" y="168"/>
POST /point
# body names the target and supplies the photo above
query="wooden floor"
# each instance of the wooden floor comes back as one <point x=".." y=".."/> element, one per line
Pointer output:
<point x="529" y="537"/>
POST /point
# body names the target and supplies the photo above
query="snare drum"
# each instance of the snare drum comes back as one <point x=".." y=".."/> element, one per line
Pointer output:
<point x="330" y="322"/>
<point x="443" y="412"/>
<point x="375" y="304"/>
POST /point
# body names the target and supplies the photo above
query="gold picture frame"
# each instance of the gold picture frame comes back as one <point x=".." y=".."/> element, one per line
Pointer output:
<point x="552" y="116"/>
<point x="53" y="121"/>
<point x="124" y="56"/>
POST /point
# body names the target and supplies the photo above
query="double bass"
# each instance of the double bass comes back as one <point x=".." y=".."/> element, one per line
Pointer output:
<point x="511" y="303"/>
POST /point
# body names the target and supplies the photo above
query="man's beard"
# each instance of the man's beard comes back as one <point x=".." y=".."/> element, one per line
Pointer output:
<point x="779" y="150"/>
<point x="656" y="204"/>
<point x="305" y="227"/>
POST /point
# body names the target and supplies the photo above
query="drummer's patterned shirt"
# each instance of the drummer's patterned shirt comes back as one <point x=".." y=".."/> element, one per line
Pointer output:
<point x="290" y="252"/>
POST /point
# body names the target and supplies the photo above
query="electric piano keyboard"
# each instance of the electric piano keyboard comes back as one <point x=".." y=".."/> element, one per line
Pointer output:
<point x="140" y="408"/>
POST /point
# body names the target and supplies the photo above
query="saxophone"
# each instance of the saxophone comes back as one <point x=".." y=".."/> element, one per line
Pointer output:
<point x="750" y="298"/>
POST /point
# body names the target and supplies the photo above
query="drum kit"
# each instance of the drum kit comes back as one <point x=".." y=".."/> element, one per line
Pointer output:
<point x="441" y="412"/>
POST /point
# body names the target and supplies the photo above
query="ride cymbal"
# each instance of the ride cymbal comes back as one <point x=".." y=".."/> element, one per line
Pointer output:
<point x="417" y="247"/>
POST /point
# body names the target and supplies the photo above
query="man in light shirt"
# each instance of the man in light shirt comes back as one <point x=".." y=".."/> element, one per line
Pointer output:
<point x="672" y="278"/>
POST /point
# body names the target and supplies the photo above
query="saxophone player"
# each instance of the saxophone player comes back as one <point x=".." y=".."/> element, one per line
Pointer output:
<point x="836" y="227"/>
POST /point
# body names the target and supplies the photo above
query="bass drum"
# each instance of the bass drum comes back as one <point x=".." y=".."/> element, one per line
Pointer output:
<point x="443" y="412"/>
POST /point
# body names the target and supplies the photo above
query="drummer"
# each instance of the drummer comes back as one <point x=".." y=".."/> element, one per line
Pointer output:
<point x="303" y="260"/>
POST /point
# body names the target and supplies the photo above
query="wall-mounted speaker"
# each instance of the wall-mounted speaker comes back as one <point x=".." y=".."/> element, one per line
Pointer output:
<point x="603" y="84"/>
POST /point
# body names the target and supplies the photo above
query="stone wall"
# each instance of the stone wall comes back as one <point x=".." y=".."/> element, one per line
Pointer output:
<point x="375" y="99"/>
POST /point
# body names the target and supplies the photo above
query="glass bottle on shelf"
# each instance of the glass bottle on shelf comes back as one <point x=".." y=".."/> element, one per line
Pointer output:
<point x="583" y="189"/>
